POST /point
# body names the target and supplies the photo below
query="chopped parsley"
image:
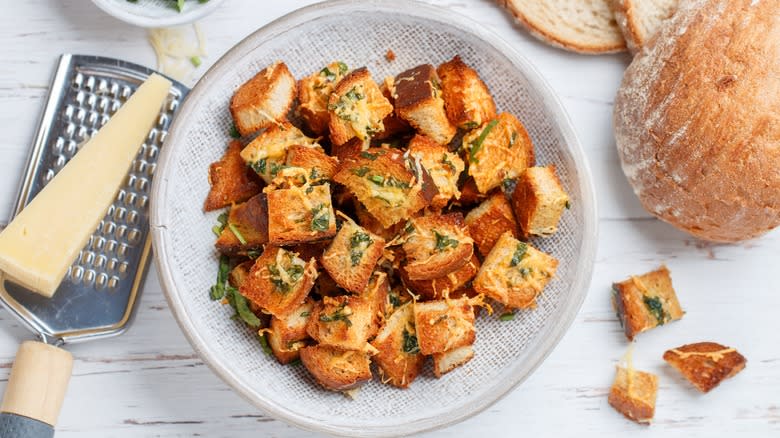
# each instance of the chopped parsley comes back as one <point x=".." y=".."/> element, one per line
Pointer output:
<point x="354" y="94"/>
<point x="242" y="308"/>
<point x="409" y="229"/>
<point x="470" y="125"/>
<point x="656" y="308"/>
<point x="508" y="185"/>
<point x="360" y="171"/>
<point x="338" y="315"/>
<point x="476" y="145"/>
<point x="525" y="272"/>
<point x="315" y="174"/>
<point x="222" y="219"/>
<point x="369" y="155"/>
<point x="217" y="291"/>
<point x="443" y="241"/>
<point x="358" y="243"/>
<point x="568" y="204"/>
<point x="320" y="220"/>
<point x="377" y="179"/>
<point x="276" y="168"/>
<point x="305" y="314"/>
<point x="259" y="166"/>
<point x="264" y="345"/>
<point x="508" y="316"/>
<point x="330" y="75"/>
<point x="410" y="345"/>
<point x="237" y="233"/>
<point x="394" y="299"/>
<point x="446" y="161"/>
<point x="295" y="272"/>
<point x="254" y="253"/>
<point x="234" y="132"/>
<point x="522" y="248"/>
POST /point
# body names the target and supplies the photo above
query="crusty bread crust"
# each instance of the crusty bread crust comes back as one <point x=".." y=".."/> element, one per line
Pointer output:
<point x="467" y="100"/>
<point x="264" y="100"/>
<point x="705" y="364"/>
<point x="695" y="120"/>
<point x="635" y="312"/>
<point x="251" y="220"/>
<point x="351" y="257"/>
<point x="444" y="325"/>
<point x="487" y="222"/>
<point x="438" y="288"/>
<point x="397" y="366"/>
<point x="230" y="179"/>
<point x="336" y="369"/>
<point x="635" y="27"/>
<point x="437" y="245"/>
<point x="633" y="394"/>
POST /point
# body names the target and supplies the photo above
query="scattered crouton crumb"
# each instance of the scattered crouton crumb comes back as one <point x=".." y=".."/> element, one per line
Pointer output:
<point x="390" y="55"/>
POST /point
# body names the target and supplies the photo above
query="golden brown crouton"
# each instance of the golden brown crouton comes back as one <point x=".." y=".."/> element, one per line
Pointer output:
<point x="399" y="359"/>
<point x="267" y="153"/>
<point x="646" y="301"/>
<point x="319" y="166"/>
<point x="344" y="322"/>
<point x="288" y="335"/>
<point x="246" y="229"/>
<point x="352" y="255"/>
<point x="539" y="201"/>
<point x="470" y="194"/>
<point x="393" y="124"/>
<point x="313" y="94"/>
<point x="300" y="215"/>
<point x="466" y="98"/>
<point x="447" y="361"/>
<point x="436" y="245"/>
<point x="264" y="100"/>
<point x="337" y="369"/>
<point x="347" y="150"/>
<point x="231" y="180"/>
<point x="439" y="288"/>
<point x="376" y="295"/>
<point x="633" y="394"/>
<point x="444" y="325"/>
<point x="499" y="149"/>
<point x="357" y="108"/>
<point x="240" y="273"/>
<point x="705" y="364"/>
<point x="369" y="222"/>
<point x="514" y="273"/>
<point x="325" y="286"/>
<point x="279" y="281"/>
<point x="418" y="101"/>
<point x="396" y="297"/>
<point x="487" y="222"/>
<point x="443" y="166"/>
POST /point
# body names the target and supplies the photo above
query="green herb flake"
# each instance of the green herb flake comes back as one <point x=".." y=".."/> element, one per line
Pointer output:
<point x="369" y="155"/>
<point x="234" y="132"/>
<point x="470" y="125"/>
<point x="320" y="218"/>
<point x="222" y="219"/>
<point x="568" y="205"/>
<point x="242" y="308"/>
<point x="476" y="145"/>
<point x="377" y="179"/>
<point x="409" y="229"/>
<point x="522" y="248"/>
<point x="656" y="308"/>
<point x="295" y="272"/>
<point x="338" y="315"/>
<point x="525" y="272"/>
<point x="446" y="162"/>
<point x="354" y="95"/>
<point x="394" y="299"/>
<point x="358" y="243"/>
<point x="360" y="171"/>
<point x="305" y="314"/>
<point x="259" y="166"/>
<point x="508" y="316"/>
<point x="410" y="345"/>
<point x="264" y="345"/>
<point x="443" y="241"/>
<point x="276" y="168"/>
<point x="217" y="291"/>
<point x="237" y="233"/>
<point x="343" y="69"/>
<point x="329" y="75"/>
<point x="254" y="253"/>
<point x="196" y="61"/>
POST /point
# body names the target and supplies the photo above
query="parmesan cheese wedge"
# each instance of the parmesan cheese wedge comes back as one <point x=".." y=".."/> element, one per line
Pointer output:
<point x="40" y="243"/>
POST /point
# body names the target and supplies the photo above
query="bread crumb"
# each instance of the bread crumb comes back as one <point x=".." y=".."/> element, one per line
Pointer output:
<point x="390" y="55"/>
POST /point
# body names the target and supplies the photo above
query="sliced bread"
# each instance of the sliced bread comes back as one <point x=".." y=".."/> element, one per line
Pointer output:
<point x="640" y="19"/>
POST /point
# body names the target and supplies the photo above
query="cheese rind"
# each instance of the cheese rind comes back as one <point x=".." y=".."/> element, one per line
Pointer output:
<point x="42" y="241"/>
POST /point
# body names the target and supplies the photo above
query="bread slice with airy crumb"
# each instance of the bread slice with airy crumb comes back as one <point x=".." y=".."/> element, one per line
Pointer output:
<point x="447" y="361"/>
<point x="436" y="245"/>
<point x="443" y="166"/>
<point x="246" y="229"/>
<point x="639" y="20"/>
<point x="418" y="100"/>
<point x="539" y="201"/>
<point x="398" y="359"/>
<point x="313" y="94"/>
<point x="345" y="322"/>
<point x="357" y="108"/>
<point x="466" y="98"/>
<point x="264" y="100"/>
<point x="444" y="325"/>
<point x="498" y="149"/>
<point x="646" y="301"/>
<point x="352" y="255"/>
<point x="267" y="153"/>
<point x="514" y="273"/>
<point x="300" y="215"/>
<point x="336" y="369"/>
<point x="633" y="394"/>
<point x="442" y="287"/>
<point x="487" y="222"/>
<point x="231" y="180"/>
<point x="286" y="336"/>
<point x="705" y="364"/>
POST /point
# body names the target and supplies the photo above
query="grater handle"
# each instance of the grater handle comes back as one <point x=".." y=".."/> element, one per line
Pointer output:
<point x="35" y="391"/>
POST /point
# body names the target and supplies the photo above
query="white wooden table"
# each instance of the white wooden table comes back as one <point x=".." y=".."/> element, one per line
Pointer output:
<point x="149" y="382"/>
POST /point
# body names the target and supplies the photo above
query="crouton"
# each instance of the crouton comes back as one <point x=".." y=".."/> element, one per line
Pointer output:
<point x="399" y="360"/>
<point x="300" y="215"/>
<point x="487" y="222"/>
<point x="344" y="322"/>
<point x="447" y="361"/>
<point x="313" y="94"/>
<point x="418" y="101"/>
<point x="396" y="297"/>
<point x="246" y="229"/>
<point x="320" y="167"/>
<point x="436" y="245"/>
<point x="347" y="150"/>
<point x="705" y="364"/>
<point x="633" y="394"/>
<point x="231" y="180"/>
<point x="288" y="335"/>
<point x="369" y="222"/>
<point x="539" y="201"/>
<point x="264" y="100"/>
<point x="279" y="281"/>
<point x="326" y="286"/>
<point x="469" y="193"/>
<point x="499" y="149"/>
<point x="357" y="108"/>
<point x="351" y="257"/>
<point x="444" y="325"/>
<point x="375" y="295"/>
<point x="443" y="166"/>
<point x="390" y="188"/>
<point x="240" y="273"/>
<point x="393" y="124"/>
<point x="336" y="369"/>
<point x="442" y="287"/>
<point x="514" y="273"/>
<point x="645" y="302"/>
<point x="267" y="153"/>
<point x="466" y="98"/>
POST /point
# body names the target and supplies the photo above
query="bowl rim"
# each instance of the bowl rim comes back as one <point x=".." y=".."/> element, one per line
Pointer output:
<point x="549" y="337"/>
<point x="196" y="13"/>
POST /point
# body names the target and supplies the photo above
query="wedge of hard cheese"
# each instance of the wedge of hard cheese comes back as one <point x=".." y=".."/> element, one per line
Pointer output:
<point x="40" y="243"/>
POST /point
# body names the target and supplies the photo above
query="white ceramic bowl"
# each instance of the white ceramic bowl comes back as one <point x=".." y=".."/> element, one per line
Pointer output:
<point x="156" y="13"/>
<point x="360" y="33"/>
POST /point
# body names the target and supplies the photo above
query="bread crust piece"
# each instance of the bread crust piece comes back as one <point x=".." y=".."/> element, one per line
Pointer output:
<point x="694" y="120"/>
<point x="399" y="359"/>
<point x="418" y="101"/>
<point x="539" y="201"/>
<point x="436" y="245"/>
<point x="250" y="219"/>
<point x="314" y="92"/>
<point x="267" y="153"/>
<point x="646" y="301"/>
<point x="487" y="222"/>
<point x="639" y="21"/>
<point x="447" y="361"/>
<point x="633" y="394"/>
<point x="230" y="179"/>
<point x="319" y="166"/>
<point x="439" y="288"/>
<point x="264" y="100"/>
<point x="287" y="336"/>
<point x="336" y="369"/>
<point x="300" y="215"/>
<point x="356" y="108"/>
<point x="345" y="322"/>
<point x="705" y="364"/>
<point x="352" y="255"/>
<point x="394" y="125"/>
<point x="443" y="166"/>
<point x="467" y="100"/>
<point x="444" y="325"/>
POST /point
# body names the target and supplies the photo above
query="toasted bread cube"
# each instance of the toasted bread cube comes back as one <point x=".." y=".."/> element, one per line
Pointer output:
<point x="447" y="361"/>
<point x="396" y="297"/>
<point x="249" y="221"/>
<point x="326" y="286"/>
<point x="390" y="190"/>
<point x="345" y="322"/>
<point x="487" y="222"/>
<point x="376" y="294"/>
<point x="279" y="281"/>
<point x="443" y="166"/>
<point x="633" y="394"/>
<point x="313" y="94"/>
<point x="470" y="194"/>
<point x="466" y="98"/>
<point x="267" y="153"/>
<point x="499" y="149"/>
<point x="288" y="335"/>
<point x="645" y="302"/>
<point x="705" y="364"/>
<point x="436" y="245"/>
<point x="443" y="287"/>
<point x="514" y="273"/>
<point x="393" y="124"/>
<point x="230" y="179"/>
<point x="369" y="222"/>
<point x="320" y="167"/>
<point x="418" y="101"/>
<point x="350" y="149"/>
<point x="399" y="359"/>
<point x="352" y="255"/>
<point x="444" y="325"/>
<point x="357" y="108"/>
<point x="240" y="273"/>
<point x="264" y="100"/>
<point x="539" y="201"/>
<point x="300" y="215"/>
<point x="336" y="369"/>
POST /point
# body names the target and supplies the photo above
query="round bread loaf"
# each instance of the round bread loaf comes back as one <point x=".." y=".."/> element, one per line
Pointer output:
<point x="697" y="120"/>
